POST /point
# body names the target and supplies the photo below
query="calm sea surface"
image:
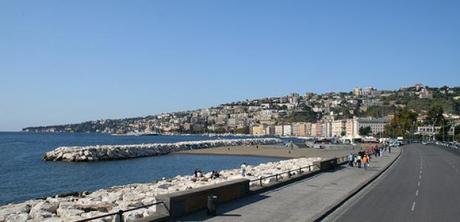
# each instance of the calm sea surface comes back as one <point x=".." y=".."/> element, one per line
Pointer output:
<point x="24" y="175"/>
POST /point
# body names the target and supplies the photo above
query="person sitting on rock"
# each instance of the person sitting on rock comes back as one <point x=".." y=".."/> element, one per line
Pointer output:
<point x="214" y="174"/>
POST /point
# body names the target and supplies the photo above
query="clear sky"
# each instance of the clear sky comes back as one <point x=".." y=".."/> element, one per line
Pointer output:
<point x="71" y="61"/>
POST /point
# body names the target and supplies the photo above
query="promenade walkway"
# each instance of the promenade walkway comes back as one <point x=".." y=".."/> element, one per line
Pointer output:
<point x="300" y="201"/>
<point x="422" y="186"/>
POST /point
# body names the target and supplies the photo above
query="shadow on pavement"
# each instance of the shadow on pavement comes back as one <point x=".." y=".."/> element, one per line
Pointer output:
<point x="225" y="207"/>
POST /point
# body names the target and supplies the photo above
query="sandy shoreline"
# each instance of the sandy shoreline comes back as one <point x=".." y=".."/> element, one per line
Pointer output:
<point x="127" y="151"/>
<point x="272" y="151"/>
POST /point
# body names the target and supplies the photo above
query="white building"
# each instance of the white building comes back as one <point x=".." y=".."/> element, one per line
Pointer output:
<point x="287" y="130"/>
<point x="279" y="130"/>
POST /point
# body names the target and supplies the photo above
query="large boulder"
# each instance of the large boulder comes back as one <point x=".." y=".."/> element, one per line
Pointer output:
<point x="7" y="210"/>
<point x="51" y="219"/>
<point x="20" y="217"/>
<point x="69" y="213"/>
<point x="41" y="214"/>
<point x="50" y="206"/>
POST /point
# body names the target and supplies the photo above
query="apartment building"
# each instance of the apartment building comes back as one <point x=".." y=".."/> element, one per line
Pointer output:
<point x="258" y="130"/>
<point x="279" y="130"/>
<point x="338" y="128"/>
<point x="287" y="130"/>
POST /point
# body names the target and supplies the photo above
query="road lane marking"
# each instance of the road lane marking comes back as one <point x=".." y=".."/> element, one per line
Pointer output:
<point x="419" y="177"/>
<point x="416" y="193"/>
<point x="421" y="172"/>
<point x="418" y="184"/>
<point x="413" y="206"/>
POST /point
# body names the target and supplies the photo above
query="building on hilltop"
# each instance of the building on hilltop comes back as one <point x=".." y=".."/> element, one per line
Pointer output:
<point x="425" y="94"/>
<point x="357" y="92"/>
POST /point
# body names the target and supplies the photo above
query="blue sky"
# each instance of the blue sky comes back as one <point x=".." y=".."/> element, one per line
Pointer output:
<point x="71" y="61"/>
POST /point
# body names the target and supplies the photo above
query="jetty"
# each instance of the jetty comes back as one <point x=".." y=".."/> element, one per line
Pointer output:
<point x="118" y="152"/>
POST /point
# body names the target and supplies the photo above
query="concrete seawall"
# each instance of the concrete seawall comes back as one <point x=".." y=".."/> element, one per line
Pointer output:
<point x="90" y="204"/>
<point x="117" y="152"/>
<point x="295" y="198"/>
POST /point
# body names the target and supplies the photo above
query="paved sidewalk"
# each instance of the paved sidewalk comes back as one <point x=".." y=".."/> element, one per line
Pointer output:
<point x="299" y="201"/>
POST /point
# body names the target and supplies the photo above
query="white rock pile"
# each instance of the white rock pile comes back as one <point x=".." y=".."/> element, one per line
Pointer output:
<point x="86" y="205"/>
<point x="117" y="152"/>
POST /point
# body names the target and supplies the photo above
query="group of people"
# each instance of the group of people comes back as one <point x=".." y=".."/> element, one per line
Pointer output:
<point x="362" y="158"/>
<point x="198" y="173"/>
<point x="214" y="174"/>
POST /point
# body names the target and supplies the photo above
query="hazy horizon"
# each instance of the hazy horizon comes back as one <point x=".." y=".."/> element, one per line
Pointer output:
<point x="69" y="62"/>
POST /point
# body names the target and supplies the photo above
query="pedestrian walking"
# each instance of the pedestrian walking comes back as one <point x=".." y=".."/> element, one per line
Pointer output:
<point x="350" y="159"/>
<point x="366" y="162"/>
<point x="358" y="161"/>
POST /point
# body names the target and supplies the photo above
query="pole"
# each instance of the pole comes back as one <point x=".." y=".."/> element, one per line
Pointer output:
<point x="444" y="131"/>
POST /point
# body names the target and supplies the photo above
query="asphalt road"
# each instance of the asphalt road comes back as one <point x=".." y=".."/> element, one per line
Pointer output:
<point x="423" y="185"/>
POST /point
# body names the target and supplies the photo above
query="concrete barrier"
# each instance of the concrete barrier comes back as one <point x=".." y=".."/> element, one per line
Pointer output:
<point x="342" y="160"/>
<point x="328" y="164"/>
<point x="186" y="202"/>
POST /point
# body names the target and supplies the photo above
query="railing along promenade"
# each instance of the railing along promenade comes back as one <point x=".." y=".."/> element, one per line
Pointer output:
<point x="316" y="167"/>
<point x="121" y="212"/>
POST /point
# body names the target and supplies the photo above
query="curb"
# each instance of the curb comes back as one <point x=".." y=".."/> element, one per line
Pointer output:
<point x="331" y="209"/>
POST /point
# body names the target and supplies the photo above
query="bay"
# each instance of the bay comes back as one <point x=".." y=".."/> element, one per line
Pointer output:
<point x="24" y="175"/>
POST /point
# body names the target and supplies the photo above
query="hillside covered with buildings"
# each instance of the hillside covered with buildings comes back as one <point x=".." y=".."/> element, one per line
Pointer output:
<point x="360" y="111"/>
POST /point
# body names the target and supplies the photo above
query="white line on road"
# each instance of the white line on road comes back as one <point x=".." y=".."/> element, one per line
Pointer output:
<point x="416" y="193"/>
<point x="413" y="206"/>
<point x="418" y="184"/>
<point x="421" y="172"/>
<point x="419" y="177"/>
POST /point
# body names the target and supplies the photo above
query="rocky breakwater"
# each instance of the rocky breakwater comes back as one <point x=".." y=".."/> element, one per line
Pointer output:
<point x="86" y="205"/>
<point x="116" y="152"/>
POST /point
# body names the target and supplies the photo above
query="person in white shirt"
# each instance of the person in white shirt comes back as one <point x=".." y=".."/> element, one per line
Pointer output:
<point x="243" y="169"/>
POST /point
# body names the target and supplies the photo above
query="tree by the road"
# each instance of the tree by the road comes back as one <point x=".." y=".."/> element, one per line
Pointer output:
<point x="365" y="131"/>
<point x="434" y="116"/>
<point x="403" y="124"/>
